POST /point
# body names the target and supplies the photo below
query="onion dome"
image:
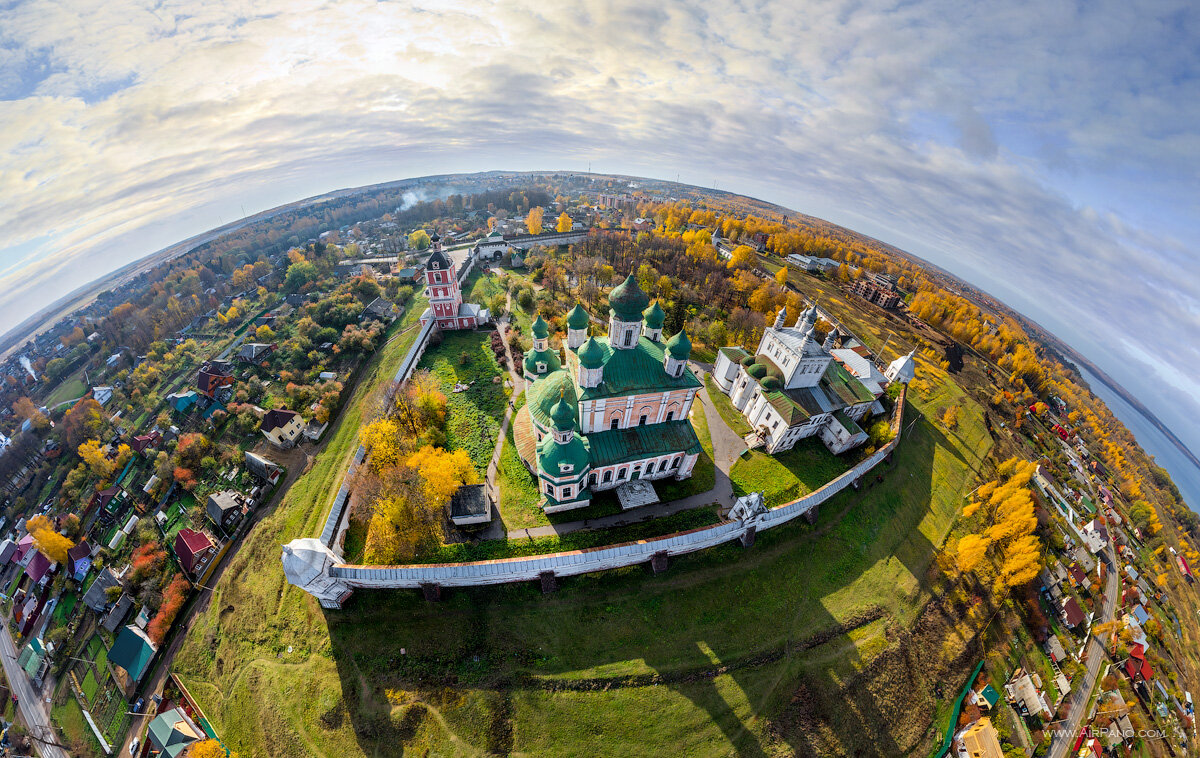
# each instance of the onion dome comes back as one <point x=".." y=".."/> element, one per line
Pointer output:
<point x="552" y="456"/>
<point x="758" y="371"/>
<point x="577" y="318"/>
<point x="654" y="316"/>
<point x="679" y="346"/>
<point x="547" y="357"/>
<point x="772" y="383"/>
<point x="434" y="237"/>
<point x="546" y="392"/>
<point x="627" y="300"/>
<point x="591" y="354"/>
<point x="540" y="329"/>
<point x="562" y="414"/>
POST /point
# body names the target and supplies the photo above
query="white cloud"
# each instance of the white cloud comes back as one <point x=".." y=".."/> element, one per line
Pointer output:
<point x="963" y="130"/>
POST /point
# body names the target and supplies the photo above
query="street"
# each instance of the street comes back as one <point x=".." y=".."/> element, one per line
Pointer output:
<point x="1068" y="732"/>
<point x="34" y="713"/>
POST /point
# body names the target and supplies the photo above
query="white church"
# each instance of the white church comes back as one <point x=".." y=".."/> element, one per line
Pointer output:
<point x="795" y="386"/>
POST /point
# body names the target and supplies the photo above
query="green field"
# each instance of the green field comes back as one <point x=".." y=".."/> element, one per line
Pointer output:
<point x="788" y="475"/>
<point x="736" y="421"/>
<point x="473" y="416"/>
<point x="70" y="388"/>
<point x="88" y="685"/>
<point x="731" y="651"/>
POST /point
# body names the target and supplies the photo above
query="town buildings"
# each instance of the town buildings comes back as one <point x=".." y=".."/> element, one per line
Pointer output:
<point x="616" y="411"/>
<point x="792" y="387"/>
<point x="282" y="427"/>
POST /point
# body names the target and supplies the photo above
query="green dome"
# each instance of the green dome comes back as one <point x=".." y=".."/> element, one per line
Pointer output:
<point x="549" y="357"/>
<point x="577" y="318"/>
<point x="592" y="353"/>
<point x="654" y="316"/>
<point x="758" y="371"/>
<point x="545" y="393"/>
<point x="540" y="329"/>
<point x="680" y="346"/>
<point x="562" y="414"/>
<point x="772" y="383"/>
<point x="575" y="453"/>
<point x="748" y="361"/>
<point x="627" y="300"/>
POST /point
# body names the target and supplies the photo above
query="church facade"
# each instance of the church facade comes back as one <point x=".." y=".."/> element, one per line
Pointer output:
<point x="446" y="305"/>
<point x="609" y="409"/>
<point x="793" y="387"/>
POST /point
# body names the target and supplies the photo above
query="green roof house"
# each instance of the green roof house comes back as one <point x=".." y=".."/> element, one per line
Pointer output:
<point x="614" y="409"/>
<point x="133" y="652"/>
<point x="171" y="732"/>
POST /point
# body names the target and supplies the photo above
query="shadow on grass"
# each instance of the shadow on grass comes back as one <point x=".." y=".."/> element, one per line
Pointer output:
<point x="764" y="641"/>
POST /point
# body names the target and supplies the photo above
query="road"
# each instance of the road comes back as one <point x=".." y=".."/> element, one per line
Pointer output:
<point x="34" y="712"/>
<point x="1068" y="732"/>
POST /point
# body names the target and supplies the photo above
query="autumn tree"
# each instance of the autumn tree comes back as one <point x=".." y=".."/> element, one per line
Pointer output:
<point x="26" y="410"/>
<point x="419" y="239"/>
<point x="209" y="749"/>
<point x="48" y="541"/>
<point x="564" y="223"/>
<point x="95" y="456"/>
<point x="85" y="420"/>
<point x="533" y="221"/>
<point x="264" y="333"/>
<point x="742" y="257"/>
<point x="1006" y="550"/>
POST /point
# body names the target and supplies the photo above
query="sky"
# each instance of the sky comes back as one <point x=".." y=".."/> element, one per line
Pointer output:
<point x="1048" y="152"/>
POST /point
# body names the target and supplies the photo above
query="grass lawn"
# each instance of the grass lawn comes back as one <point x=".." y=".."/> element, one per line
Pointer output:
<point x="70" y="388"/>
<point x="76" y="732"/>
<point x="504" y="669"/>
<point x="519" y="498"/>
<point x="473" y="416"/>
<point x="88" y="685"/>
<point x="732" y="416"/>
<point x="62" y="611"/>
<point x="786" y="476"/>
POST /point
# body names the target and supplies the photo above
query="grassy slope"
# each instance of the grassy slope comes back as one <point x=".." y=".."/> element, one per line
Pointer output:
<point x="733" y="417"/>
<point x="477" y="671"/>
<point x="473" y="416"/>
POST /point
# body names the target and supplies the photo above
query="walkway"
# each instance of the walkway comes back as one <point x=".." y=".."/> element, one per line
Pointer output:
<point x="495" y="528"/>
<point x="727" y="448"/>
<point x="1068" y="733"/>
<point x="33" y="710"/>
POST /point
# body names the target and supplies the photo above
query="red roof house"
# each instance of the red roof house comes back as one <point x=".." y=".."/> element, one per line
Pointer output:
<point x="194" y="550"/>
<point x="38" y="568"/>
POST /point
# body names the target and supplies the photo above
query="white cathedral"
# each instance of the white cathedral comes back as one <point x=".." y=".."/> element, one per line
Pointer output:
<point x="795" y="386"/>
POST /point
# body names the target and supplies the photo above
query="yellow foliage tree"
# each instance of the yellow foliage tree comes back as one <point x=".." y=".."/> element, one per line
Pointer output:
<point x="741" y="257"/>
<point x="381" y="438"/>
<point x="442" y="472"/>
<point x="48" y="541"/>
<point x="972" y="549"/>
<point x="950" y="417"/>
<point x="533" y="221"/>
<point x="95" y="456"/>
<point x="208" y="749"/>
<point x="564" y="223"/>
<point x="264" y="333"/>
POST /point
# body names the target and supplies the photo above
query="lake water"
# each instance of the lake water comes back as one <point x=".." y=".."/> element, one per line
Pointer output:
<point x="1183" y="472"/>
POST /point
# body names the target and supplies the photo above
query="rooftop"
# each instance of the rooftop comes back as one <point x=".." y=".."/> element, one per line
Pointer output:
<point x="637" y="442"/>
<point x="635" y="371"/>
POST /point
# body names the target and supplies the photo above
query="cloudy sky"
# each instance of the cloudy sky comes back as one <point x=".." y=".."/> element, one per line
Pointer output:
<point x="1048" y="152"/>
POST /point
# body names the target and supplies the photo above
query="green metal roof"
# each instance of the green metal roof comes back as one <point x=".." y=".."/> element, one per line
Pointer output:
<point x="989" y="694"/>
<point x="545" y="392"/>
<point x="627" y="300"/>
<point x="843" y="385"/>
<point x="734" y="354"/>
<point x="575" y="452"/>
<point x="848" y="423"/>
<point x="679" y="345"/>
<point x="540" y="328"/>
<point x="549" y="357"/>
<point x="563" y="413"/>
<point x="654" y="316"/>
<point x="132" y="652"/>
<point x="636" y="370"/>
<point x="638" y="442"/>
<point x="787" y="403"/>
<point x="164" y="735"/>
<point x="578" y="318"/>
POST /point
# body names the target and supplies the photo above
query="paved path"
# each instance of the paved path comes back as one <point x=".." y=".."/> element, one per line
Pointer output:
<point x="727" y="447"/>
<point x="1068" y="732"/>
<point x="33" y="710"/>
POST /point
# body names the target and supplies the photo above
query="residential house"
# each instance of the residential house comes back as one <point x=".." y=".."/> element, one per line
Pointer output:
<point x="96" y="596"/>
<point x="264" y="468"/>
<point x="8" y="549"/>
<point x="144" y="442"/>
<point x="1054" y="649"/>
<point x="1072" y="614"/>
<point x="282" y="427"/>
<point x="1137" y="668"/>
<point x="213" y="378"/>
<point x="1095" y="536"/>
<point x="183" y="402"/>
<point x="979" y="740"/>
<point x="117" y="615"/>
<point x="40" y="568"/>
<point x="986" y="698"/>
<point x="254" y="352"/>
<point x="102" y="394"/>
<point x="226" y="509"/>
<point x="79" y="560"/>
<point x="132" y="652"/>
<point x="380" y="309"/>
<point x="195" y="551"/>
<point x="1078" y="577"/>
<point x="171" y="733"/>
<point x="1024" y="696"/>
